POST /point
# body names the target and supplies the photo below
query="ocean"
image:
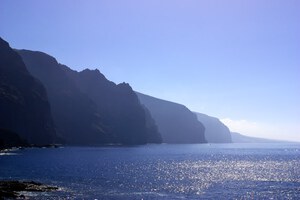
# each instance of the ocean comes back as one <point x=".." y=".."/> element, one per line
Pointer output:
<point x="198" y="171"/>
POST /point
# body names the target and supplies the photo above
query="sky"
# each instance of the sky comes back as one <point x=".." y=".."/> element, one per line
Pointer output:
<point x="238" y="60"/>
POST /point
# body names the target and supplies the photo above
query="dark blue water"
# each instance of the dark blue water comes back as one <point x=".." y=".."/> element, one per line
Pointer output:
<point x="232" y="171"/>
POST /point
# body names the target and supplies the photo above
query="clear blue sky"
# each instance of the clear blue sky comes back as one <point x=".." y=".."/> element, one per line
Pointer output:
<point x="238" y="60"/>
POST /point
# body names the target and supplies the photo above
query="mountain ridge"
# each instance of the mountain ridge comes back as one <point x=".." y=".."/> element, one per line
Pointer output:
<point x="88" y="108"/>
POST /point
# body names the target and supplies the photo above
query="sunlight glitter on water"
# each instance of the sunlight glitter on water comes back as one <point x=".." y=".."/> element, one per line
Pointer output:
<point x="162" y="172"/>
<point x="195" y="177"/>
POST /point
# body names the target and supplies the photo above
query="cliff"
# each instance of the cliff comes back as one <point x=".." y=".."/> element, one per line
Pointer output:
<point x="119" y="105"/>
<point x="175" y="122"/>
<point x="87" y="108"/>
<point x="24" y="106"/>
<point x="75" y="115"/>
<point x="215" y="130"/>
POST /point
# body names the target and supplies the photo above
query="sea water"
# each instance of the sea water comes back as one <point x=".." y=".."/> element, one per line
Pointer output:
<point x="200" y="171"/>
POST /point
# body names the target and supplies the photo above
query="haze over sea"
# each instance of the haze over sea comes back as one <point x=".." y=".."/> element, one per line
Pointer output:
<point x="200" y="171"/>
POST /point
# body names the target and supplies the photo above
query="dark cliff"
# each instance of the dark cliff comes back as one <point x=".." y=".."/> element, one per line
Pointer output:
<point x="119" y="105"/>
<point x="87" y="108"/>
<point x="215" y="130"/>
<point x="24" y="107"/>
<point x="175" y="122"/>
<point x="75" y="115"/>
<point x="153" y="134"/>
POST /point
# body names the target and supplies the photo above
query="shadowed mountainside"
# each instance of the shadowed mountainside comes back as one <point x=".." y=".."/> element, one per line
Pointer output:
<point x="153" y="133"/>
<point x="215" y="130"/>
<point x="75" y="115"/>
<point x="119" y="106"/>
<point x="175" y="122"/>
<point x="87" y="108"/>
<point x="24" y="107"/>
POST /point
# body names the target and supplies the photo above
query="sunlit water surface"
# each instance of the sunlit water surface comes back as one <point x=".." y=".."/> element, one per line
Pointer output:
<point x="231" y="171"/>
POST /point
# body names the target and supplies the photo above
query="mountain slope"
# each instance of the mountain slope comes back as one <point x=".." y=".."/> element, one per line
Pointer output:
<point x="175" y="122"/>
<point x="75" y="115"/>
<point x="215" y="130"/>
<point x="24" y="107"/>
<point x="119" y="105"/>
<point x="87" y="108"/>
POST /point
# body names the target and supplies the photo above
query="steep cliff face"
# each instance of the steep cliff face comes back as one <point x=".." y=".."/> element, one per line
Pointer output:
<point x="24" y="107"/>
<point x="175" y="122"/>
<point x="75" y="115"/>
<point x="215" y="130"/>
<point x="153" y="134"/>
<point x="121" y="109"/>
<point x="87" y="108"/>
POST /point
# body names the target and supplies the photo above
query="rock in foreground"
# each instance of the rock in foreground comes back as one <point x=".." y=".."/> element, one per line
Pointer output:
<point x="12" y="189"/>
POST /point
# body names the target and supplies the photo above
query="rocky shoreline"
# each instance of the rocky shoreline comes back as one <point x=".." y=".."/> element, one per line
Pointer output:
<point x="10" y="189"/>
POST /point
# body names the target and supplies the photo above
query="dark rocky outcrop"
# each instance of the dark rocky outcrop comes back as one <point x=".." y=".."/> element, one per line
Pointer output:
<point x="215" y="130"/>
<point x="24" y="107"/>
<point x="87" y="108"/>
<point x="11" y="189"/>
<point x="175" y="122"/>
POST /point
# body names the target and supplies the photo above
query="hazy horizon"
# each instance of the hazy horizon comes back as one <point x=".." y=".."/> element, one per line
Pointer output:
<point x="235" y="60"/>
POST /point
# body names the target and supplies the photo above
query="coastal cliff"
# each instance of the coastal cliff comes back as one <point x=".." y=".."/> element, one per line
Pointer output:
<point x="176" y="123"/>
<point x="24" y="105"/>
<point x="215" y="130"/>
<point x="87" y="108"/>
